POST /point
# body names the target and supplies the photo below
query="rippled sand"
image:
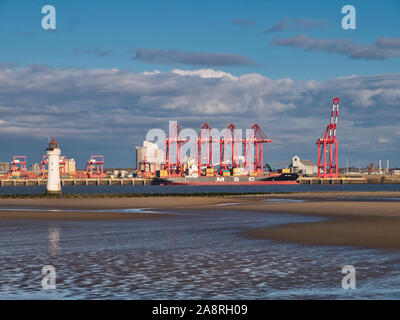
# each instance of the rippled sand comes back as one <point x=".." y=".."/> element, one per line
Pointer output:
<point x="190" y="254"/>
<point x="365" y="219"/>
<point x="201" y="248"/>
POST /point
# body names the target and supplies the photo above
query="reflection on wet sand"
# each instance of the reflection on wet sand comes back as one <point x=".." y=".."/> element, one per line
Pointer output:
<point x="54" y="240"/>
<point x="188" y="255"/>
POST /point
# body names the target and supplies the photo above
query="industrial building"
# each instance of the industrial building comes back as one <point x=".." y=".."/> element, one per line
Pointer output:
<point x="303" y="166"/>
<point x="69" y="166"/>
<point x="4" y="167"/>
<point x="149" y="157"/>
<point x="35" y="168"/>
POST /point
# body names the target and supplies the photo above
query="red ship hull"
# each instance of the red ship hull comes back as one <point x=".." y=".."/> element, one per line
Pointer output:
<point x="283" y="179"/>
<point x="245" y="183"/>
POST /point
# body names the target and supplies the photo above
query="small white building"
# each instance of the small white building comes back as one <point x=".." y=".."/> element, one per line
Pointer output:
<point x="303" y="166"/>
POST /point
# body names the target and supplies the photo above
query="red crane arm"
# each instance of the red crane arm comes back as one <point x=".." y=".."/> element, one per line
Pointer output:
<point x="334" y="118"/>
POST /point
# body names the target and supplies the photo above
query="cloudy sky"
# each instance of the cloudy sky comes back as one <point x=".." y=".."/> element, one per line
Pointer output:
<point x="111" y="71"/>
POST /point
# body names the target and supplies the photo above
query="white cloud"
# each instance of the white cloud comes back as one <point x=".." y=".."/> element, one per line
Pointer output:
<point x="114" y="107"/>
<point x="150" y="73"/>
<point x="204" y="73"/>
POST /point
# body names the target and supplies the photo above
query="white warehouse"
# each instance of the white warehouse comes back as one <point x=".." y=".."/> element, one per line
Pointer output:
<point x="303" y="166"/>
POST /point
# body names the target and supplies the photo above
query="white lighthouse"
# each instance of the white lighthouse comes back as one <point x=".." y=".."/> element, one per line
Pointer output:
<point x="53" y="174"/>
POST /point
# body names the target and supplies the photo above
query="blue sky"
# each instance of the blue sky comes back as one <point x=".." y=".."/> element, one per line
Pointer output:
<point x="310" y="50"/>
<point x="204" y="26"/>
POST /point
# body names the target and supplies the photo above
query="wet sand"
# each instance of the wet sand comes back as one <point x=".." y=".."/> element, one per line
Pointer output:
<point x="349" y="221"/>
<point x="82" y="207"/>
<point x="75" y="216"/>
<point x="362" y="224"/>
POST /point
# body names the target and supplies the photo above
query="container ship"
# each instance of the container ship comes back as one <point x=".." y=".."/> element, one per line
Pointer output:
<point x="281" y="179"/>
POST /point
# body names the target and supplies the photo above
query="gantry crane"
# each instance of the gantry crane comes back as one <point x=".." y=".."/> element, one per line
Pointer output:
<point x="253" y="150"/>
<point x="205" y="138"/>
<point x="94" y="166"/>
<point x="328" y="147"/>
<point x="174" y="167"/>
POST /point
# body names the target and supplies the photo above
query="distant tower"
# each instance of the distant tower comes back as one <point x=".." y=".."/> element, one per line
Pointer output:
<point x="53" y="175"/>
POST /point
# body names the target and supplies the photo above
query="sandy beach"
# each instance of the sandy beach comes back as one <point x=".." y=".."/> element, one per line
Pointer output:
<point x="348" y="223"/>
<point x="82" y="207"/>
<point x="352" y="218"/>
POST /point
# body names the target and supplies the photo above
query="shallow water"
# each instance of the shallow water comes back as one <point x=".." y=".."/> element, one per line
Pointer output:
<point x="184" y="256"/>
<point x="285" y="200"/>
<point x="27" y="209"/>
<point x="369" y="199"/>
<point x="203" y="189"/>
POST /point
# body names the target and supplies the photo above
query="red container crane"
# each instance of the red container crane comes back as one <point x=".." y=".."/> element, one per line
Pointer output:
<point x="205" y="138"/>
<point x="95" y="162"/>
<point x="18" y="164"/>
<point x="233" y="141"/>
<point x="174" y="167"/>
<point x="254" y="145"/>
<point x="328" y="146"/>
<point x="230" y="144"/>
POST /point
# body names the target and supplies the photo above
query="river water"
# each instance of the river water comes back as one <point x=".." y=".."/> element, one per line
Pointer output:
<point x="203" y="189"/>
<point x="185" y="255"/>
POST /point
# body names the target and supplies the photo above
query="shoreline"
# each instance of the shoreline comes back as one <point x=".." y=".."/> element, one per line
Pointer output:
<point x="136" y="195"/>
<point x="83" y="206"/>
<point x="353" y="218"/>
